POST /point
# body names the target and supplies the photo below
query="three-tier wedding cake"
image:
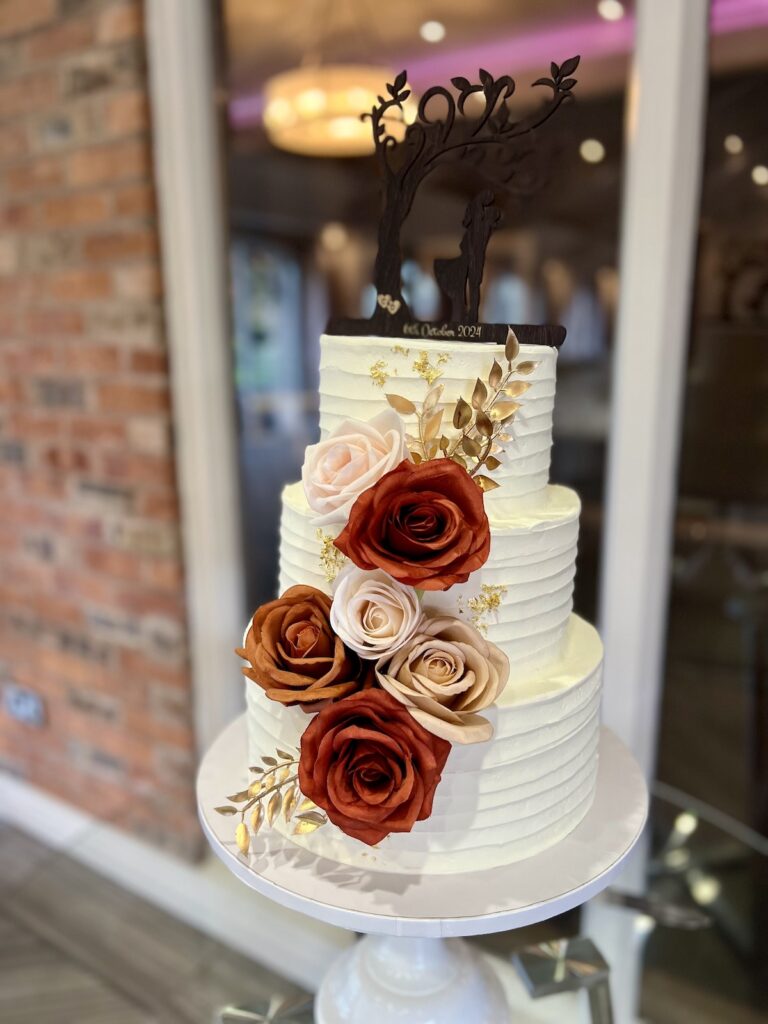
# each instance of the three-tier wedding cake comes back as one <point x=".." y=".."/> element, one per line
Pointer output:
<point x="420" y="697"/>
<point x="510" y="796"/>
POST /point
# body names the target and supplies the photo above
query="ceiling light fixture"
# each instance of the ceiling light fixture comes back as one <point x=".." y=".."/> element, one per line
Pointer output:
<point x="760" y="174"/>
<point x="610" y="10"/>
<point x="432" y="31"/>
<point x="733" y="144"/>
<point x="316" y="110"/>
<point x="592" y="151"/>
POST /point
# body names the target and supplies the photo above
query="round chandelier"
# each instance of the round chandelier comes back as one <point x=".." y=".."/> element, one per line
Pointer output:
<point x="315" y="111"/>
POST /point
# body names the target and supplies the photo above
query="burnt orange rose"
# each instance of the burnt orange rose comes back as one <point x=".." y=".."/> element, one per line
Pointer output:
<point x="294" y="654"/>
<point x="370" y="766"/>
<point x="425" y="525"/>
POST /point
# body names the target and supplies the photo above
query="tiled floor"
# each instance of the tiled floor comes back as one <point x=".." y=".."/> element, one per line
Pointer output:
<point x="77" y="949"/>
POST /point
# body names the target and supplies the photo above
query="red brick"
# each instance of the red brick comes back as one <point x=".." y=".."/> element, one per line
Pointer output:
<point x="22" y="15"/>
<point x="35" y="175"/>
<point x="31" y="357"/>
<point x="135" y="201"/>
<point x="19" y="216"/>
<point x="66" y="459"/>
<point x="46" y="323"/>
<point x="9" y="323"/>
<point x="14" y="142"/>
<point x="126" y="113"/>
<point x="119" y="22"/>
<point x="166" y="573"/>
<point x="76" y="210"/>
<point x="34" y="426"/>
<point x="91" y="358"/>
<point x="61" y="38"/>
<point x="80" y="285"/>
<point x="114" y="162"/>
<point x="149" y="360"/>
<point x="25" y="95"/>
<point x="115" y="246"/>
<point x="133" y="398"/>
<point x="141" y="281"/>
<point x="97" y="429"/>
<point x="133" y="468"/>
<point x="121" y="564"/>
<point x="161" y="505"/>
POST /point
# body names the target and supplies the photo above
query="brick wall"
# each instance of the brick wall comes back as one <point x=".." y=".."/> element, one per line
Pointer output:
<point x="92" y="613"/>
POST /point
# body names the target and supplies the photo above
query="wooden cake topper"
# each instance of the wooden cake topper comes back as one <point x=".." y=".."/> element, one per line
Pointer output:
<point x="448" y="128"/>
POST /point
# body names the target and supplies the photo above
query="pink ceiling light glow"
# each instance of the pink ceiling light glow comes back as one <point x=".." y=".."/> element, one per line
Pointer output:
<point x="533" y="49"/>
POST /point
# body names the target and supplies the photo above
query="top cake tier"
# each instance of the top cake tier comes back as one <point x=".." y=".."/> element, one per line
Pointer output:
<point x="356" y="374"/>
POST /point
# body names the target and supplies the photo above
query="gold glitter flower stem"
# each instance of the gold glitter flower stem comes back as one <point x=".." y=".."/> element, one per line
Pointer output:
<point x="267" y="792"/>
<point x="470" y="427"/>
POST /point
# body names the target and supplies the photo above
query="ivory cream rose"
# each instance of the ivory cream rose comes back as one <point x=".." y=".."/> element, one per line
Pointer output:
<point x="372" y="613"/>
<point x="445" y="675"/>
<point x="337" y="470"/>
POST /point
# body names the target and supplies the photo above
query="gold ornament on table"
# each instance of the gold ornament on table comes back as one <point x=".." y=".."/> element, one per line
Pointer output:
<point x="273" y="792"/>
<point x="481" y="426"/>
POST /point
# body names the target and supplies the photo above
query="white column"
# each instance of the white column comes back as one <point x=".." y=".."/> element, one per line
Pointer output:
<point x="659" y="223"/>
<point x="187" y="158"/>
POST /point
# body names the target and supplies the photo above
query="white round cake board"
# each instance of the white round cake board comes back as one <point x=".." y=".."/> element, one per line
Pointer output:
<point x="412" y="967"/>
<point x="472" y="903"/>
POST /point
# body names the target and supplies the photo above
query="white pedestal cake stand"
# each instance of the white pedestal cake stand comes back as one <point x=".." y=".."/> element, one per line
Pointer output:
<point x="413" y="967"/>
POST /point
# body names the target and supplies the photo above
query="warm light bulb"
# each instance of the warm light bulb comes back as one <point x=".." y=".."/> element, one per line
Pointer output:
<point x="686" y="823"/>
<point x="610" y="10"/>
<point x="760" y="174"/>
<point x="704" y="889"/>
<point x="644" y="924"/>
<point x="432" y="31"/>
<point x="311" y="102"/>
<point x="592" y="151"/>
<point x="733" y="144"/>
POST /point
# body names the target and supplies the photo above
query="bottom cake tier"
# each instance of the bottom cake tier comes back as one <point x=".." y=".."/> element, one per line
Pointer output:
<point x="497" y="802"/>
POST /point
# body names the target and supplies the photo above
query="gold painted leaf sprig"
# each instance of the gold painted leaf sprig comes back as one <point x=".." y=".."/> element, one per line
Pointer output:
<point x="273" y="792"/>
<point x="481" y="426"/>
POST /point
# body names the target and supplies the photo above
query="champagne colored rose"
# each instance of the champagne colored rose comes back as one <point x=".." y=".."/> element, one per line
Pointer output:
<point x="372" y="613"/>
<point x="445" y="675"/>
<point x="424" y="524"/>
<point x="370" y="766"/>
<point x="294" y="654"/>
<point x="348" y="462"/>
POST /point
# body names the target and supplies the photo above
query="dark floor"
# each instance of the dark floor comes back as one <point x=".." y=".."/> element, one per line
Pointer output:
<point x="77" y="949"/>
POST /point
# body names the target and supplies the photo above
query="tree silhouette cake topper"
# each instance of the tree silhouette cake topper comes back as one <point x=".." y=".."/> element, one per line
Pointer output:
<point x="473" y="126"/>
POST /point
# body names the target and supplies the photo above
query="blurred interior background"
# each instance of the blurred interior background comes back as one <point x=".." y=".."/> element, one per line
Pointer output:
<point x="98" y="697"/>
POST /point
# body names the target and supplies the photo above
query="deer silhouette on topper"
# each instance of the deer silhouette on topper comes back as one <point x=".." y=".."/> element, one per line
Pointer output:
<point x="459" y="279"/>
<point x="476" y="127"/>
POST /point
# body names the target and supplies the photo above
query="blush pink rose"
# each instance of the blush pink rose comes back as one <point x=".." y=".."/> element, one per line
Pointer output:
<point x="338" y="469"/>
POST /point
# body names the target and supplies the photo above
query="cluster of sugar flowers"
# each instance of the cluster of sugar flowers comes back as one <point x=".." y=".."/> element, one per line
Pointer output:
<point x="391" y="685"/>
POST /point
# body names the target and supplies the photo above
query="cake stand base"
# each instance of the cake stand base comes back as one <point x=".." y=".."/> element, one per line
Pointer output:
<point x="413" y="967"/>
<point x="412" y="981"/>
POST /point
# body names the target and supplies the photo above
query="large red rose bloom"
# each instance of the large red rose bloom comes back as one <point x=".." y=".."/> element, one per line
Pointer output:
<point x="370" y="766"/>
<point x="424" y="524"/>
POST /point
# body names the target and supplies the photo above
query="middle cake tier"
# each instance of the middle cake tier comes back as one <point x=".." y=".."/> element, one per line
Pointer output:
<point x="521" y="599"/>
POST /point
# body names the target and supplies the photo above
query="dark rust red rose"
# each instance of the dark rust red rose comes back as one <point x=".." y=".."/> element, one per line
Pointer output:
<point x="294" y="654"/>
<point x="370" y="766"/>
<point x="423" y="524"/>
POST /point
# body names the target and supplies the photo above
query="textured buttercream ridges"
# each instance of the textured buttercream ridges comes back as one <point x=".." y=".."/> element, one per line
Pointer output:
<point x="348" y="390"/>
<point x="498" y="801"/>
<point x="530" y="571"/>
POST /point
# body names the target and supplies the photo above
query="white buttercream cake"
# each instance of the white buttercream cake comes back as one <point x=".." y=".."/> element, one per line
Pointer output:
<point x="525" y="789"/>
